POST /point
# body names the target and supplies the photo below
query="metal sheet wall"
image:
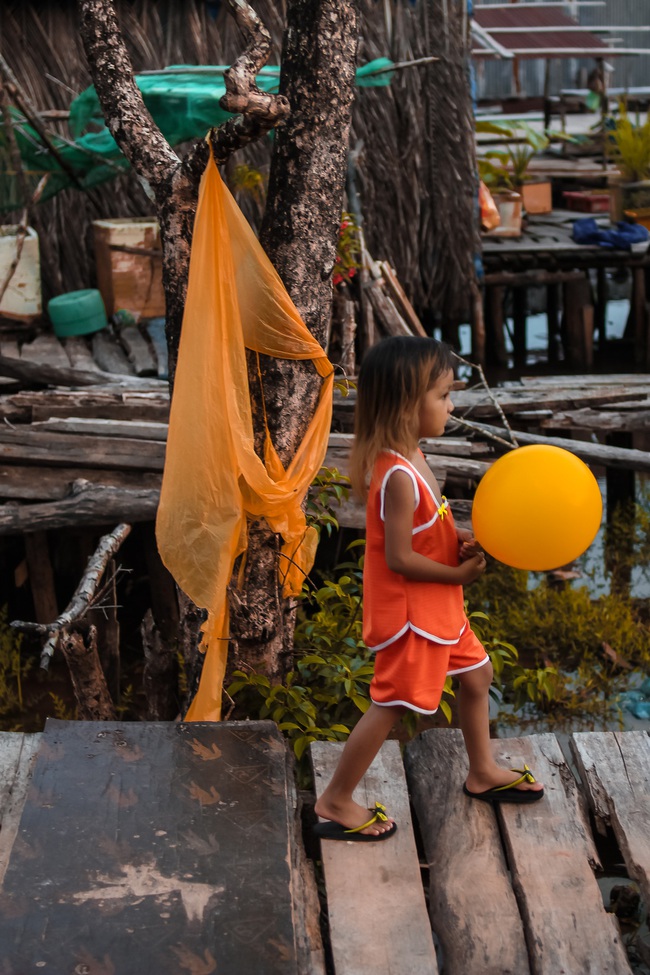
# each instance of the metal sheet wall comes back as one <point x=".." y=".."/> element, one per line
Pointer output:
<point x="494" y="78"/>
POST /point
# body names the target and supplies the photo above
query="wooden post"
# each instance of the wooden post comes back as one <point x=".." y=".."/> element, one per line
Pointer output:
<point x="496" y="347"/>
<point x="577" y="321"/>
<point x="639" y="317"/>
<point x="519" y="310"/>
<point x="555" y="350"/>
<point x="478" y="326"/>
<point x="41" y="577"/>
<point x="600" y="313"/>
<point x="108" y="635"/>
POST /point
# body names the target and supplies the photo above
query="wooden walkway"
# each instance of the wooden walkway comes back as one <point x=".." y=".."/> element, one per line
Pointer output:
<point x="144" y="847"/>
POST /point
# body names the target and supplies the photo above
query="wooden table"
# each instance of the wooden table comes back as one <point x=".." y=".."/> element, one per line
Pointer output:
<point x="547" y="255"/>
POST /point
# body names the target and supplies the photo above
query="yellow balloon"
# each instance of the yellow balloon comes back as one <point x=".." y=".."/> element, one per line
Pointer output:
<point x="537" y="508"/>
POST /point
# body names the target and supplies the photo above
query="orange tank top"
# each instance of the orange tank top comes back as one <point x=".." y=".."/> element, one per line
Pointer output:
<point x="392" y="603"/>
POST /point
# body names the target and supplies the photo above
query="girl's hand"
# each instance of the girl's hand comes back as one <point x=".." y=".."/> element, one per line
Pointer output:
<point x="471" y="568"/>
<point x="468" y="546"/>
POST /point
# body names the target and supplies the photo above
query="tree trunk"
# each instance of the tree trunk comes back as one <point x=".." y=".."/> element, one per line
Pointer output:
<point x="300" y="234"/>
<point x="300" y="228"/>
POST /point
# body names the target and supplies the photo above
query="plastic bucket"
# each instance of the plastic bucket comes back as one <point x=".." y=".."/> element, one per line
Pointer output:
<point x="77" y="313"/>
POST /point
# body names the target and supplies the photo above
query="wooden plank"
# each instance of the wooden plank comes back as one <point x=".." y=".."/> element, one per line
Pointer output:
<point x="156" y="331"/>
<point x="398" y="295"/>
<point x="131" y="429"/>
<point x="41" y="577"/>
<point x="138" y="352"/>
<point x="109" y="356"/>
<point x="443" y="466"/>
<point x="55" y="483"/>
<point x="377" y="913"/>
<point x="45" y="349"/>
<point x="26" y="446"/>
<point x="89" y="504"/>
<point x="615" y="771"/>
<point x="552" y="856"/>
<point x="179" y="856"/>
<point x="78" y="353"/>
<point x="17" y="756"/>
<point x="472" y="905"/>
<point x="457" y="446"/>
<point x="625" y="418"/>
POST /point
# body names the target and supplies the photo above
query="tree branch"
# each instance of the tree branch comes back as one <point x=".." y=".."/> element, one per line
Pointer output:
<point x="83" y="596"/>
<point x="126" y="114"/>
<point x="242" y="94"/>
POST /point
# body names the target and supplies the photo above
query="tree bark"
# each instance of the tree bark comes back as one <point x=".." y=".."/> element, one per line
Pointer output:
<point x="300" y="234"/>
<point x="94" y="702"/>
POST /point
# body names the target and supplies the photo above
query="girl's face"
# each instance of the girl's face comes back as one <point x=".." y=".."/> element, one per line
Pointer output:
<point x="436" y="406"/>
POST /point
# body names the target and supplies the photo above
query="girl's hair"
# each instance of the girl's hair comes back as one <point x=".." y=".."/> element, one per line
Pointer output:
<point x="395" y="374"/>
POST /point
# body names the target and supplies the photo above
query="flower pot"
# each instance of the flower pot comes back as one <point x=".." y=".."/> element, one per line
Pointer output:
<point x="536" y="196"/>
<point x="510" y="211"/>
<point x="627" y="196"/>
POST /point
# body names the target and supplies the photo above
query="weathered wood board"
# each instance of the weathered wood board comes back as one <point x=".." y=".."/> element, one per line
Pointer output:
<point x="493" y="870"/>
<point x="153" y="848"/>
<point x="377" y="913"/>
<point x="551" y="855"/>
<point x="17" y="756"/>
<point x="473" y="909"/>
<point x="615" y="770"/>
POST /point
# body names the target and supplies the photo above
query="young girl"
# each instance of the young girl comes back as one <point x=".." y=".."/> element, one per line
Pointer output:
<point x="415" y="567"/>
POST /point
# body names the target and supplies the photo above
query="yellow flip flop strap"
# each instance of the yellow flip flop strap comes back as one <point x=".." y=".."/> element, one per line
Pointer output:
<point x="525" y="776"/>
<point x="379" y="816"/>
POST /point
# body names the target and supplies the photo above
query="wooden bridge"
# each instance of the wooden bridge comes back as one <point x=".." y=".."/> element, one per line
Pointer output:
<point x="166" y="847"/>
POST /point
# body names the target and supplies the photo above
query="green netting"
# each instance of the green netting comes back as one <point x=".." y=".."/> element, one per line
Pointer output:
<point x="184" y="102"/>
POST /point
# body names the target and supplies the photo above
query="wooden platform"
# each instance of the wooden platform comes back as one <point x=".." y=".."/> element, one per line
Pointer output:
<point x="152" y="848"/>
<point x="170" y="847"/>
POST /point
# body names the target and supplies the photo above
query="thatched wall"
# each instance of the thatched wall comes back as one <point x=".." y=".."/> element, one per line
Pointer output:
<point x="396" y="125"/>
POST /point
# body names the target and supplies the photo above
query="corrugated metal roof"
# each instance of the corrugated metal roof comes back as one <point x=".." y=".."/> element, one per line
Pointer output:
<point x="524" y="37"/>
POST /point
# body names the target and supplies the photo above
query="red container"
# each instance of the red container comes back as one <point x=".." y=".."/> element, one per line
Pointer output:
<point x="587" y="202"/>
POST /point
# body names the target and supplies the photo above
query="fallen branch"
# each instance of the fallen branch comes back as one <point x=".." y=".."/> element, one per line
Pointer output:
<point x="84" y="597"/>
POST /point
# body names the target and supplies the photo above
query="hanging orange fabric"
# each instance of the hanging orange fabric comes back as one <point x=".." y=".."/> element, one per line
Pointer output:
<point x="213" y="479"/>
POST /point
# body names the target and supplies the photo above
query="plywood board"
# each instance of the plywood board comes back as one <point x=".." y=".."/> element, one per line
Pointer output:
<point x="153" y="848"/>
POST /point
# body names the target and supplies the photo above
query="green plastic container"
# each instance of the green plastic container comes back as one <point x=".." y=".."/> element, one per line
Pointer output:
<point x="77" y="313"/>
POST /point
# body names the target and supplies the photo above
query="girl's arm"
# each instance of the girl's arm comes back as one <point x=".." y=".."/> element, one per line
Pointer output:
<point x="399" y="504"/>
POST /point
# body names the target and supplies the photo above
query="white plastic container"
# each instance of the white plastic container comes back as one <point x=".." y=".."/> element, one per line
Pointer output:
<point x="22" y="299"/>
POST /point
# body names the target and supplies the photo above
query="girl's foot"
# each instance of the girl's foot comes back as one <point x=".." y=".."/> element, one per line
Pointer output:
<point x="494" y="778"/>
<point x="351" y="815"/>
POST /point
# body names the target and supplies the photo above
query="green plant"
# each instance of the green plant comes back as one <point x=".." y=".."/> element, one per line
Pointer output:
<point x="248" y="180"/>
<point x="327" y="492"/>
<point x="13" y="668"/>
<point x="324" y="694"/>
<point x="508" y="168"/>
<point x="631" y="146"/>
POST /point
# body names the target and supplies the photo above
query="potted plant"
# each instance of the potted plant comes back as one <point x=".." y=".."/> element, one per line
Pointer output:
<point x="508" y="168"/>
<point x="629" y="147"/>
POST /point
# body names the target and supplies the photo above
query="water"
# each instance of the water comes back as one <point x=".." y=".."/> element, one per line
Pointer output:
<point x="616" y="317"/>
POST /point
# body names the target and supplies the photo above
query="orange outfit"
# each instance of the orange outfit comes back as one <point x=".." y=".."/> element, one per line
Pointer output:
<point x="419" y="628"/>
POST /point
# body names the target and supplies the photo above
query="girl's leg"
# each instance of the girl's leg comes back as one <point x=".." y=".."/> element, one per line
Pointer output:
<point x="366" y="739"/>
<point x="473" y="711"/>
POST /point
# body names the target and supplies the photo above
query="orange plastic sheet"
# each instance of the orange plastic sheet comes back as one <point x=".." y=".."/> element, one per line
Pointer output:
<point x="213" y="480"/>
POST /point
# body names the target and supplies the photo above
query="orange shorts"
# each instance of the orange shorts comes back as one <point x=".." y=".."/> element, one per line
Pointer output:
<point x="412" y="671"/>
